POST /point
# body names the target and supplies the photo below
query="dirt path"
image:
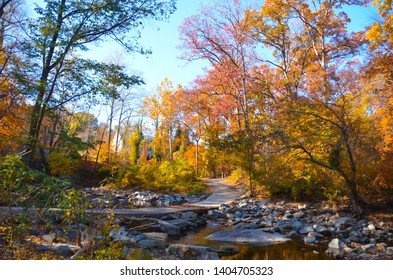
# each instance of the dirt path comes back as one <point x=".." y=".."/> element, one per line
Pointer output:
<point x="222" y="193"/>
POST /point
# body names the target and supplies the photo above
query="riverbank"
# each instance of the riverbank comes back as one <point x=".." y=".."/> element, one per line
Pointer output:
<point x="115" y="229"/>
<point x="130" y="237"/>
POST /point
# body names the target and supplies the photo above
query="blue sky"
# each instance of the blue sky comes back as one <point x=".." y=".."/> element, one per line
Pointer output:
<point x="164" y="61"/>
<point x="163" y="38"/>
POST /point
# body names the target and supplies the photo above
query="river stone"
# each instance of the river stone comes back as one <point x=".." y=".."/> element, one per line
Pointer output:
<point x="148" y="244"/>
<point x="309" y="240"/>
<point x="171" y="217"/>
<point x="193" y="252"/>
<point x="247" y="236"/>
<point x="381" y="247"/>
<point x="370" y="248"/>
<point x="371" y="227"/>
<point x="336" y="243"/>
<point x="49" y="237"/>
<point x="160" y="236"/>
<point x="217" y="214"/>
<point x="189" y="216"/>
<point x="119" y="234"/>
<point x="181" y="223"/>
<point x="137" y="238"/>
<point x="303" y="231"/>
<point x="293" y="234"/>
<point x="170" y="229"/>
<point x="297" y="225"/>
<point x="65" y="250"/>
<point x="343" y="221"/>
<point x="299" y="214"/>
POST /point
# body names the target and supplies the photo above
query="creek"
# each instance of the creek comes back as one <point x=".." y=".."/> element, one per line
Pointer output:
<point x="291" y="250"/>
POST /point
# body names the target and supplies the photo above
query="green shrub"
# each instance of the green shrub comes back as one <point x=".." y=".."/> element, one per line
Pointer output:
<point x="166" y="176"/>
<point x="62" y="165"/>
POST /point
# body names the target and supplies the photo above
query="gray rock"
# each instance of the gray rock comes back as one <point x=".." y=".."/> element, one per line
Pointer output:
<point x="119" y="234"/>
<point x="171" y="217"/>
<point x="247" y="236"/>
<point x="169" y="228"/>
<point x="309" y="239"/>
<point x="370" y="248"/>
<point x="371" y="227"/>
<point x="189" y="216"/>
<point x="303" y="231"/>
<point x="297" y="225"/>
<point x="288" y="215"/>
<point x="343" y="221"/>
<point x="293" y="234"/>
<point x="181" y="223"/>
<point x="137" y="238"/>
<point x="217" y="214"/>
<point x="149" y="244"/>
<point x="389" y="250"/>
<point x="337" y="244"/>
<point x="299" y="214"/>
<point x="366" y="231"/>
<point x="193" y="251"/>
<point x="160" y="236"/>
<point x="309" y="228"/>
<point x="65" y="250"/>
<point x="322" y="230"/>
<point x="356" y="233"/>
<point x="49" y="237"/>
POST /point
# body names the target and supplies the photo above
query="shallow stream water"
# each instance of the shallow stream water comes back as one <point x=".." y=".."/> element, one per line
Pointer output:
<point x="292" y="250"/>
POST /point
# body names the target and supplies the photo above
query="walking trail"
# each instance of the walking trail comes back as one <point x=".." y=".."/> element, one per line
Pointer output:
<point x="221" y="193"/>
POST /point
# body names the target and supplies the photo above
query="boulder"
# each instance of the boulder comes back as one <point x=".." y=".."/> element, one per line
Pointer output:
<point x="180" y="223"/>
<point x="189" y="216"/>
<point x="169" y="228"/>
<point x="248" y="236"/>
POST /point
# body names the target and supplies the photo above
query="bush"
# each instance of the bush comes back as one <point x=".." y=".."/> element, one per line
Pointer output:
<point x="167" y="177"/>
<point x="62" y="165"/>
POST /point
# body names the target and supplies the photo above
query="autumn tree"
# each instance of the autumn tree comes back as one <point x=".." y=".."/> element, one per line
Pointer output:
<point x="13" y="108"/>
<point x="314" y="94"/>
<point x="66" y="27"/>
<point x="219" y="35"/>
<point x="379" y="83"/>
<point x="164" y="109"/>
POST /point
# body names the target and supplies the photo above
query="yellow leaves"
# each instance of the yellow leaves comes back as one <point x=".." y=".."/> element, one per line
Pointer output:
<point x="374" y="35"/>
<point x="382" y="33"/>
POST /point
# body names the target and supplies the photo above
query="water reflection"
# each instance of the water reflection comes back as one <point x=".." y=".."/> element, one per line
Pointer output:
<point x="292" y="250"/>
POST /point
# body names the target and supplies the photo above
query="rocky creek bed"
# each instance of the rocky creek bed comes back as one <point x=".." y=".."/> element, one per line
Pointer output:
<point x="250" y="223"/>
